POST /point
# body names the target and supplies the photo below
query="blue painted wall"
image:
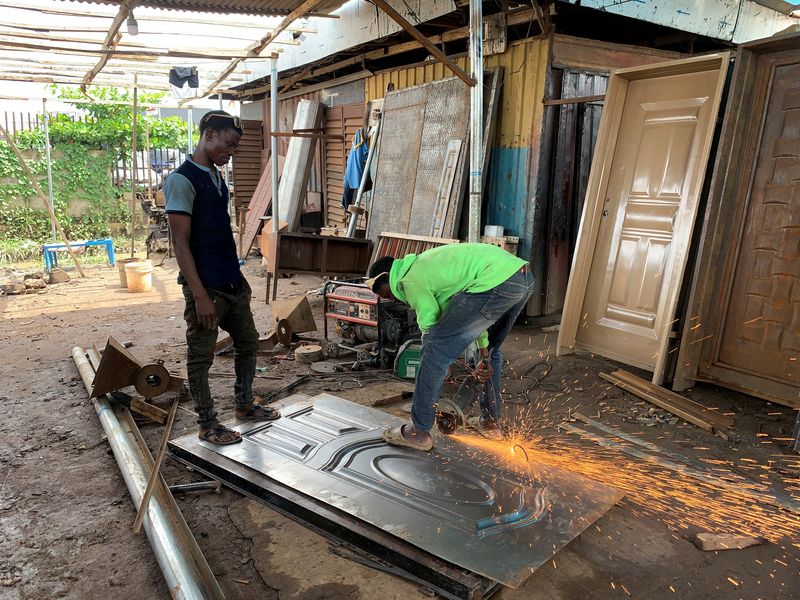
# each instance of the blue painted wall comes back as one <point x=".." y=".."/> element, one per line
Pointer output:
<point x="507" y="194"/>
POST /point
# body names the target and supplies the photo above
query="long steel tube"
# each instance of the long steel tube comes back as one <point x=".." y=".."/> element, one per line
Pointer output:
<point x="475" y="119"/>
<point x="351" y="226"/>
<point x="273" y="142"/>
<point x="185" y="569"/>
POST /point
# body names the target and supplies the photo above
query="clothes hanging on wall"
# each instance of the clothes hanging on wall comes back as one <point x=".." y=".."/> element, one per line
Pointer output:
<point x="184" y="82"/>
<point x="355" y="167"/>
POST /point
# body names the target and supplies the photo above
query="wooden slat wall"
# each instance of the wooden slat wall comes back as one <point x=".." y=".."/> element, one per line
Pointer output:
<point x="345" y="119"/>
<point x="247" y="162"/>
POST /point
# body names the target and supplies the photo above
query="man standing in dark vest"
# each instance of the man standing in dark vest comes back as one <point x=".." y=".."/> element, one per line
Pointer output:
<point x="216" y="293"/>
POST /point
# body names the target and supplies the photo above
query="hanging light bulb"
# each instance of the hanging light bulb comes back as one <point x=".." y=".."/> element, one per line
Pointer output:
<point x="132" y="24"/>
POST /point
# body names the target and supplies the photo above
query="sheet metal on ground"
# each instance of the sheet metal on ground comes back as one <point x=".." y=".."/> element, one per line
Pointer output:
<point x="453" y="502"/>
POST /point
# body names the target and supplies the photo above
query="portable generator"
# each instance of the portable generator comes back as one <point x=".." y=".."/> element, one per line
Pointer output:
<point x="372" y="327"/>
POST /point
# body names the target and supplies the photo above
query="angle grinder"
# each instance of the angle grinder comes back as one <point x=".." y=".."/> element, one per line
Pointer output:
<point x="452" y="413"/>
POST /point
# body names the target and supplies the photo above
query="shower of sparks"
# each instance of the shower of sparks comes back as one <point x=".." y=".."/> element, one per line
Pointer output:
<point x="678" y="500"/>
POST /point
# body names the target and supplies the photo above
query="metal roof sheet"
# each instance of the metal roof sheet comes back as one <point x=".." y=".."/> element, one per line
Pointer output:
<point x="248" y="7"/>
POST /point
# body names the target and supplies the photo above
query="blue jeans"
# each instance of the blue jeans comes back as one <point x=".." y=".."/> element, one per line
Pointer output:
<point x="465" y="318"/>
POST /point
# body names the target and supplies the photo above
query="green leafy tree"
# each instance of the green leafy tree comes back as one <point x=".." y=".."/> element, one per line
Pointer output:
<point x="84" y="154"/>
<point x="113" y="121"/>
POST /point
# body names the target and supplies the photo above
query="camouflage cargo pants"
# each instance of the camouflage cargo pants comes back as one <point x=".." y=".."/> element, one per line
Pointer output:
<point x="235" y="317"/>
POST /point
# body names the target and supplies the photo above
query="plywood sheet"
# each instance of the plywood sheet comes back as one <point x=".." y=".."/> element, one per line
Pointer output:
<point x="299" y="160"/>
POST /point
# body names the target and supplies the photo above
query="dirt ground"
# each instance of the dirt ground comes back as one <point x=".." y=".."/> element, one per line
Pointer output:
<point x="65" y="514"/>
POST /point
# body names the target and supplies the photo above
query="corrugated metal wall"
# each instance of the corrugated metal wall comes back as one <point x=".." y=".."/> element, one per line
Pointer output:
<point x="518" y="129"/>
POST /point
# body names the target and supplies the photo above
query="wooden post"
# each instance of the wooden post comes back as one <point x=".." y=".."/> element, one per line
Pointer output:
<point x="133" y="164"/>
<point x="413" y="32"/>
<point x="151" y="483"/>
<point x="149" y="168"/>
<point x="43" y="198"/>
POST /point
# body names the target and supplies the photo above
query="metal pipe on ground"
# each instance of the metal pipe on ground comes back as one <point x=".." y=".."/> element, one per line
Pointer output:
<point x="182" y="563"/>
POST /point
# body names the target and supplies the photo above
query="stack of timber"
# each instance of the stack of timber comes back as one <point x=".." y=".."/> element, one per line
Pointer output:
<point x="398" y="245"/>
<point x="686" y="409"/>
<point x="260" y="203"/>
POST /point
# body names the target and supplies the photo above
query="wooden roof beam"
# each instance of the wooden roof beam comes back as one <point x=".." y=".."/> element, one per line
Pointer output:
<point x="517" y="17"/>
<point x="111" y="40"/>
<point x="414" y="32"/>
<point x="121" y="54"/>
<point x="256" y="48"/>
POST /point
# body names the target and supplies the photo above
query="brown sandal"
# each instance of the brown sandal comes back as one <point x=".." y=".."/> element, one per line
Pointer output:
<point x="258" y="413"/>
<point x="219" y="434"/>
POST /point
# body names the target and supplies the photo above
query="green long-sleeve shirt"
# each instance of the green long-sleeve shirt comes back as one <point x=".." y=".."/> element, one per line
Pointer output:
<point x="428" y="281"/>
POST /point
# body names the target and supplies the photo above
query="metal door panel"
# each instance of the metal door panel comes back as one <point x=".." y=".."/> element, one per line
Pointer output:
<point x="743" y="329"/>
<point x="761" y="331"/>
<point x="451" y="502"/>
<point x="647" y="215"/>
<point x="572" y="151"/>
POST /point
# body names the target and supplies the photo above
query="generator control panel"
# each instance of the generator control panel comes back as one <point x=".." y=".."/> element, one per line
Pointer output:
<point x="353" y="304"/>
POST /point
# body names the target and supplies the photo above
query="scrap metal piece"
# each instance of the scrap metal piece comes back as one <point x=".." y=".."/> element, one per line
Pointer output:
<point x="119" y="369"/>
<point x="182" y="563"/>
<point x="284" y="332"/>
<point x="325" y="367"/>
<point x="151" y="380"/>
<point x="331" y="452"/>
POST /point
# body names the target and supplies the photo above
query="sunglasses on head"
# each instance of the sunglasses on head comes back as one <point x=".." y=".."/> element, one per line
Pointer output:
<point x="236" y="122"/>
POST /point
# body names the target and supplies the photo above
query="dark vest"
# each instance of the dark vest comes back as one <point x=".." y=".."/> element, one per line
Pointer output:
<point x="211" y="239"/>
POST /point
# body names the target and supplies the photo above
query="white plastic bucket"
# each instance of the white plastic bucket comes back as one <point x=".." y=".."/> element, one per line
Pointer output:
<point x="139" y="276"/>
<point x="123" y="280"/>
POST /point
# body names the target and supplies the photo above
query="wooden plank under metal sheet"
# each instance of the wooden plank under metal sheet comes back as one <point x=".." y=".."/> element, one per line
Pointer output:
<point x="641" y="203"/>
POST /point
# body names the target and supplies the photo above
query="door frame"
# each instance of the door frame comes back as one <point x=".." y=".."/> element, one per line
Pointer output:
<point x="728" y="204"/>
<point x="616" y="94"/>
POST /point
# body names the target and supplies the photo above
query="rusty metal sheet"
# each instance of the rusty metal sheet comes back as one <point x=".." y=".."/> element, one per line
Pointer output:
<point x="396" y="171"/>
<point x="452" y="502"/>
<point x="733" y="20"/>
<point x="446" y="118"/>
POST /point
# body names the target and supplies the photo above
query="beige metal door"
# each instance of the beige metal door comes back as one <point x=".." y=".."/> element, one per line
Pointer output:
<point x="646" y="215"/>
<point x="637" y="228"/>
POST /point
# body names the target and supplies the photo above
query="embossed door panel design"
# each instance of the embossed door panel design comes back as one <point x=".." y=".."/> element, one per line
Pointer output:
<point x="762" y="328"/>
<point x="450" y="502"/>
<point x="744" y="309"/>
<point x="639" y="214"/>
<point x="646" y="208"/>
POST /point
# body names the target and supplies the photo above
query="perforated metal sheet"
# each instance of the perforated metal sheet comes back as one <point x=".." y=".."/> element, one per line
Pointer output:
<point x="419" y="123"/>
<point x="446" y="118"/>
<point x="452" y="502"/>
<point x="396" y="170"/>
